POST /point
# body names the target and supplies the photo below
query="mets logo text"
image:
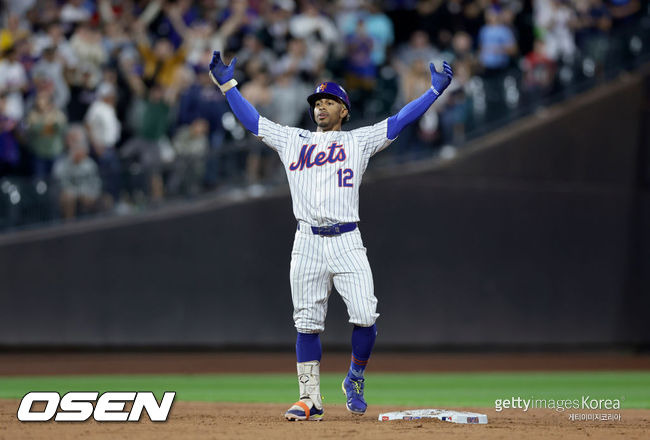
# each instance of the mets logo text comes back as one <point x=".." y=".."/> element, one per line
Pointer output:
<point x="336" y="154"/>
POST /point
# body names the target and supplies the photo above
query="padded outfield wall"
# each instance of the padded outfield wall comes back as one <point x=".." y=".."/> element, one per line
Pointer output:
<point x="537" y="235"/>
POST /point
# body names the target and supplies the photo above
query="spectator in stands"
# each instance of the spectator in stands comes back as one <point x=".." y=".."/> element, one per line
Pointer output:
<point x="497" y="47"/>
<point x="316" y="29"/>
<point x="419" y="48"/>
<point x="297" y="61"/>
<point x="376" y="24"/>
<point x="202" y="41"/>
<point x="287" y="95"/>
<point x="86" y="42"/>
<point x="45" y="128"/>
<point x="190" y="146"/>
<point x="113" y="11"/>
<point x="51" y="67"/>
<point x="83" y="81"/>
<point x="441" y="19"/>
<point x="115" y="39"/>
<point x="496" y="42"/>
<point x="454" y="111"/>
<point x="44" y="12"/>
<point x="380" y="29"/>
<point x="13" y="82"/>
<point x="25" y="56"/>
<point x="9" y="150"/>
<point x="74" y="12"/>
<point x="104" y="130"/>
<point x="462" y="51"/>
<point x="413" y="140"/>
<point x="53" y="36"/>
<point x="592" y="26"/>
<point x="556" y="19"/>
<point x="203" y="100"/>
<point x="18" y="7"/>
<point x="77" y="176"/>
<point x="237" y="20"/>
<point x="161" y="61"/>
<point x="284" y="100"/>
<point x="150" y="147"/>
<point x="175" y="20"/>
<point x="13" y="32"/>
<point x="254" y="49"/>
<point x="258" y="92"/>
<point x="360" y="70"/>
<point x="539" y="73"/>
<point x="277" y="25"/>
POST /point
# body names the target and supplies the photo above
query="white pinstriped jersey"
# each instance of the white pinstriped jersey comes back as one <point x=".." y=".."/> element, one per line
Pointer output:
<point x="324" y="169"/>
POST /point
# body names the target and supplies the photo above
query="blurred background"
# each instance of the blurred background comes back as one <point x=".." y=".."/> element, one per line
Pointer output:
<point x="135" y="211"/>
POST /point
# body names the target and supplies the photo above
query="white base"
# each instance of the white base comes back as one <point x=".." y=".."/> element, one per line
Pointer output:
<point x="440" y="414"/>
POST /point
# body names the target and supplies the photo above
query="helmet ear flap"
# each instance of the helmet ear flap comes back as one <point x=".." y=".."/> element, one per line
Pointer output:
<point x="311" y="113"/>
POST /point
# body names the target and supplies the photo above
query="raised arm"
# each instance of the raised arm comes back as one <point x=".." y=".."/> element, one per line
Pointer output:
<point x="222" y="76"/>
<point x="416" y="108"/>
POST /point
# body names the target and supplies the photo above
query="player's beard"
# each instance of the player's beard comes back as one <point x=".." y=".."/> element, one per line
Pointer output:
<point x="325" y="123"/>
<point x="328" y="123"/>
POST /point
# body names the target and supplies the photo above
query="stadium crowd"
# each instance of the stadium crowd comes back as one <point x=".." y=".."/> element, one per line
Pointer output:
<point x="108" y="103"/>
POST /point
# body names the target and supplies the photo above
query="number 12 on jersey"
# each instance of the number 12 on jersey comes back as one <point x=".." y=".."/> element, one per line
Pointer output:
<point x="344" y="176"/>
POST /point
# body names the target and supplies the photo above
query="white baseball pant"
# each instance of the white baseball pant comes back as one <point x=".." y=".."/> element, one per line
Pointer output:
<point x="317" y="263"/>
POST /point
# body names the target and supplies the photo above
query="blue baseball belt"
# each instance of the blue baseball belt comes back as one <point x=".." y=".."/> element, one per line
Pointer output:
<point x="335" y="229"/>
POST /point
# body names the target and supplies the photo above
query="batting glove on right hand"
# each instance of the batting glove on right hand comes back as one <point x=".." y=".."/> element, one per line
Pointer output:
<point x="219" y="72"/>
<point x="440" y="80"/>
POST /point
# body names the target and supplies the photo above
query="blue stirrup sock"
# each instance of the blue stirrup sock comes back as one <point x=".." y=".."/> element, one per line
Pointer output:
<point x="308" y="347"/>
<point x="363" y="340"/>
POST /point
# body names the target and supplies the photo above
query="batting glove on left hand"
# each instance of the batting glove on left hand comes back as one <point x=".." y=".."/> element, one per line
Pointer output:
<point x="440" y="80"/>
<point x="219" y="71"/>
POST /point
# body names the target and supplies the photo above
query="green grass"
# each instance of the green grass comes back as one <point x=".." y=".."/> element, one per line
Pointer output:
<point x="420" y="389"/>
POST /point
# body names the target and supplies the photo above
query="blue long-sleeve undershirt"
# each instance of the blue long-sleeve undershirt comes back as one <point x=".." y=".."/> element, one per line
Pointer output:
<point x="409" y="113"/>
<point x="243" y="110"/>
<point x="249" y="117"/>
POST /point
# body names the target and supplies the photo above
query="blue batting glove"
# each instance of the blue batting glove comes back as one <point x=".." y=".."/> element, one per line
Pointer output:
<point x="440" y="80"/>
<point x="219" y="71"/>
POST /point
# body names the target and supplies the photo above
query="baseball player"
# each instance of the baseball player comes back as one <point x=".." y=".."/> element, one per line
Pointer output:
<point x="324" y="169"/>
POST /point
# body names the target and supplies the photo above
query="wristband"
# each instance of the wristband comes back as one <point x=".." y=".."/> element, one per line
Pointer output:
<point x="225" y="86"/>
<point x="435" y="91"/>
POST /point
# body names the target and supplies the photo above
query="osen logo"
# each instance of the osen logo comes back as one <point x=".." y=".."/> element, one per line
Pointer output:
<point x="77" y="406"/>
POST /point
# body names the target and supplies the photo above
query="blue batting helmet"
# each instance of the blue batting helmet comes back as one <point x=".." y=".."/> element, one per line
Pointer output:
<point x="328" y="90"/>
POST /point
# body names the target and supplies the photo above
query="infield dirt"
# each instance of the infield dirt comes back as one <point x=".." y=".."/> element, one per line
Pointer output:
<point x="190" y="420"/>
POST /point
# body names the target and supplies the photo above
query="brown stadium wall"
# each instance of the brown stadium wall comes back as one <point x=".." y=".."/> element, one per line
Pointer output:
<point x="535" y="236"/>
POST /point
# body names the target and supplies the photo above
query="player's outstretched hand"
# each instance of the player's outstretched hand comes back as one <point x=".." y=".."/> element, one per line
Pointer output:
<point x="219" y="72"/>
<point x="440" y="80"/>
